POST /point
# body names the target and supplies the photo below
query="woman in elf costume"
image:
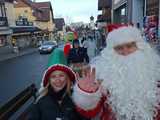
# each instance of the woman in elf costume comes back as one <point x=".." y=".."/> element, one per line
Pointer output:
<point x="54" y="102"/>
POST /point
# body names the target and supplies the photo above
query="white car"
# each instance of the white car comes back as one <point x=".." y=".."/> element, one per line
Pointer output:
<point x="47" y="47"/>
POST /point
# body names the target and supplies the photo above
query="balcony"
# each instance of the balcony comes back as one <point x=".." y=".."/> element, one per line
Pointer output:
<point x="3" y="22"/>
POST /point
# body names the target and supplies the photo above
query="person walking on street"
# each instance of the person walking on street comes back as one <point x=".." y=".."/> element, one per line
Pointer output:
<point x="77" y="54"/>
<point x="85" y="44"/>
<point x="91" y="48"/>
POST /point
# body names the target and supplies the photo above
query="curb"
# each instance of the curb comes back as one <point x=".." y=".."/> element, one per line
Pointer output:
<point x="17" y="55"/>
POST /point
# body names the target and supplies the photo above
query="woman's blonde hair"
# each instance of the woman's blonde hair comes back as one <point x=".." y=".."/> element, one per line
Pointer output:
<point x="69" y="85"/>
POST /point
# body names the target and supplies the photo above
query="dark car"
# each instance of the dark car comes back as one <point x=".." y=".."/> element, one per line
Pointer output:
<point x="47" y="47"/>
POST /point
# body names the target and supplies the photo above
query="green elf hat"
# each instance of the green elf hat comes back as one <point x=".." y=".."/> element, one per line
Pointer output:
<point x="57" y="57"/>
<point x="57" y="61"/>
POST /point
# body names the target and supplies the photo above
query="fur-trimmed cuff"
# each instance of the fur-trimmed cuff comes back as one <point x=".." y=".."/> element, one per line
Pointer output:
<point x="84" y="100"/>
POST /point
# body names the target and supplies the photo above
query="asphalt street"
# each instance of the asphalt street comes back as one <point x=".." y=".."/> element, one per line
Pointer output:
<point x="18" y="73"/>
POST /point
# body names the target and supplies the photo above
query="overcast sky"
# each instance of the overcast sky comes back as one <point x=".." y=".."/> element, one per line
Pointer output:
<point x="74" y="10"/>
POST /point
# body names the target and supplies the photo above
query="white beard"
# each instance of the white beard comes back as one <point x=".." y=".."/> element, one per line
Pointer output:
<point x="132" y="82"/>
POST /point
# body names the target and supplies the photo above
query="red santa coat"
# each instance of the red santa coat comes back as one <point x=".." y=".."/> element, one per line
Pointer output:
<point x="104" y="111"/>
<point x="101" y="108"/>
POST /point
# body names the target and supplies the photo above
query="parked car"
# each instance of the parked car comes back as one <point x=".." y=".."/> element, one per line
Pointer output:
<point x="47" y="47"/>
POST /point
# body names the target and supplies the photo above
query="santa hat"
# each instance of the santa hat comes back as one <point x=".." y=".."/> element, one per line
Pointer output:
<point x="123" y="35"/>
<point x="57" y="61"/>
<point x="112" y="27"/>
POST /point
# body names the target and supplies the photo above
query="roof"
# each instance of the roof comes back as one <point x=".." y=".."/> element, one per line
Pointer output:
<point x="104" y="4"/>
<point x="59" y="23"/>
<point x="41" y="9"/>
<point x="42" y="4"/>
<point x="24" y="3"/>
<point x="27" y="1"/>
<point x="23" y="29"/>
<point x="45" y="8"/>
<point x="43" y="15"/>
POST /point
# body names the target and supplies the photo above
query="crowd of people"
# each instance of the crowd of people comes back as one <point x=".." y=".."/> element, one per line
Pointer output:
<point x="122" y="83"/>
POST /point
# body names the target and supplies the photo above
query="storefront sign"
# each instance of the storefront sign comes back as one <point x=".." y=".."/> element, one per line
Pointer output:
<point x="23" y="23"/>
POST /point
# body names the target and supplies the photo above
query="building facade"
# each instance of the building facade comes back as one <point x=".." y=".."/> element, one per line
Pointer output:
<point x="120" y="11"/>
<point x="159" y="23"/>
<point x="5" y="31"/>
<point x="34" y="22"/>
<point x="23" y="31"/>
<point x="136" y="12"/>
<point x="59" y="29"/>
<point x="104" y="18"/>
<point x="44" y="19"/>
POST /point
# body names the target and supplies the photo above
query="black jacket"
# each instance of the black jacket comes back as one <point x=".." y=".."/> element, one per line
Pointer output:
<point x="47" y="108"/>
<point x="77" y="56"/>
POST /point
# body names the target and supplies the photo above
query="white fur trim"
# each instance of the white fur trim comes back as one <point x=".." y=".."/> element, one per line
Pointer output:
<point x="123" y="35"/>
<point x="42" y="88"/>
<point x="84" y="100"/>
<point x="57" y="65"/>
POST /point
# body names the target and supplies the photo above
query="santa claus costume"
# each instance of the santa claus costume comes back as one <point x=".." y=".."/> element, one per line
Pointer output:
<point x="130" y="82"/>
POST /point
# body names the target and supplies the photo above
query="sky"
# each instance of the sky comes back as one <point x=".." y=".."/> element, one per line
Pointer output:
<point x="74" y="10"/>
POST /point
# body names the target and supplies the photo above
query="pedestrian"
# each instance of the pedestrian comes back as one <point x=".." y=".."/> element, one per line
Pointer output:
<point x="103" y="40"/>
<point x="130" y="71"/>
<point x="15" y="46"/>
<point x="91" y="48"/>
<point x="54" y="102"/>
<point x="77" y="54"/>
<point x="83" y="39"/>
<point x="67" y="48"/>
<point x="85" y="44"/>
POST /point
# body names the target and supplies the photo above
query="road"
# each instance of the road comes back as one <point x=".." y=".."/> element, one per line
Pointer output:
<point x="18" y="73"/>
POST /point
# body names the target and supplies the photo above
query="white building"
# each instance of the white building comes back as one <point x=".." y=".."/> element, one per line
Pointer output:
<point x="137" y="12"/>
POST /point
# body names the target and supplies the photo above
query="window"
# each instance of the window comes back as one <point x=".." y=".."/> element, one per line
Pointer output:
<point x="123" y="11"/>
<point x="2" y="10"/>
<point x="2" y="41"/>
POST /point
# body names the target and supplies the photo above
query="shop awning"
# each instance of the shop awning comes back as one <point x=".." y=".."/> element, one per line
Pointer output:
<point x="5" y="31"/>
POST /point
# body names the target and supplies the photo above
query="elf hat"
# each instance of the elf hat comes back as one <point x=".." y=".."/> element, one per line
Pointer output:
<point x="57" y="61"/>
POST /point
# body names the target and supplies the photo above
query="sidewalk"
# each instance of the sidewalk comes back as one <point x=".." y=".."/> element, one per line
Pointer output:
<point x="26" y="51"/>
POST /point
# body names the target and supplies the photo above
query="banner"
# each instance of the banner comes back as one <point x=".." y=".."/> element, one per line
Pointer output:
<point x="151" y="29"/>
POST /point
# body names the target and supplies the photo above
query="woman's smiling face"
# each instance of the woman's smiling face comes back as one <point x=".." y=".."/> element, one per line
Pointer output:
<point x="58" y="80"/>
